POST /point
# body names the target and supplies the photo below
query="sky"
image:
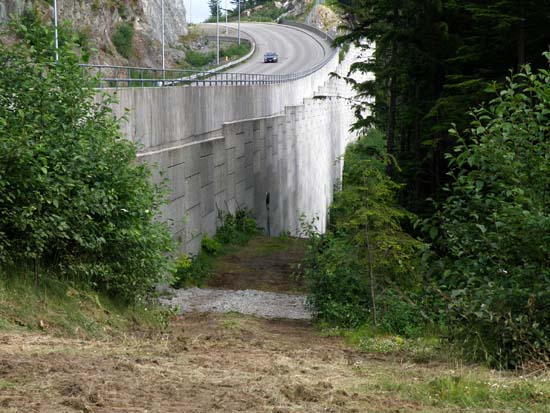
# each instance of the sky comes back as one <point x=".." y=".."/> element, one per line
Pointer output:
<point x="197" y="10"/>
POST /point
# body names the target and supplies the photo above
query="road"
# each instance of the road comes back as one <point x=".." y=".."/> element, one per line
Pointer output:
<point x="298" y="50"/>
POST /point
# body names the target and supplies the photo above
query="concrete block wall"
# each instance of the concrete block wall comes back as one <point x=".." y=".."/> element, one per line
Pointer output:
<point x="224" y="148"/>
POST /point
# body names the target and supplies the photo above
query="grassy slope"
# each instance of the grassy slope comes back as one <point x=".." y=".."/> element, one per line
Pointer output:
<point x="64" y="310"/>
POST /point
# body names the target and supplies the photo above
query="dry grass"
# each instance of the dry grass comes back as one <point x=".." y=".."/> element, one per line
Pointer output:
<point x="208" y="363"/>
<point x="238" y="363"/>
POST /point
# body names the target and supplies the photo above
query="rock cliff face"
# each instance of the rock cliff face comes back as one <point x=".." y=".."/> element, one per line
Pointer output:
<point x="98" y="20"/>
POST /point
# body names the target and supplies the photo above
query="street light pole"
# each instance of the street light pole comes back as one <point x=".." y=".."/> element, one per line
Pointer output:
<point x="226" y="14"/>
<point x="55" y="30"/>
<point x="218" y="32"/>
<point x="239" y="25"/>
<point x="163" y="45"/>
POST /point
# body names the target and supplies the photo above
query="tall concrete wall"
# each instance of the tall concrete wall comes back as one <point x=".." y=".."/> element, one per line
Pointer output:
<point x="225" y="147"/>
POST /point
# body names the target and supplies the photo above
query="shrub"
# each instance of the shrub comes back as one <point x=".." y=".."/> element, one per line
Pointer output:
<point x="493" y="231"/>
<point x="123" y="38"/>
<point x="211" y="246"/>
<point x="72" y="195"/>
<point x="198" y="59"/>
<point x="365" y="252"/>
<point x="234" y="229"/>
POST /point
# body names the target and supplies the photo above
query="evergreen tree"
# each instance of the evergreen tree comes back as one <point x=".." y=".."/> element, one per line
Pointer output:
<point x="214" y="6"/>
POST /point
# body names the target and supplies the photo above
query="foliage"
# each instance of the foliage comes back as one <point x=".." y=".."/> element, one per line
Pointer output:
<point x="215" y="8"/>
<point x="233" y="229"/>
<point x="432" y="62"/>
<point x="365" y="253"/>
<point x="201" y="60"/>
<point x="72" y="196"/>
<point x="236" y="228"/>
<point x="210" y="246"/>
<point x="123" y="38"/>
<point x="67" y="308"/>
<point x="267" y="13"/>
<point x="493" y="230"/>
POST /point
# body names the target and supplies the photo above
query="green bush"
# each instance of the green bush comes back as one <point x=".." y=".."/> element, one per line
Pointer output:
<point x="233" y="229"/>
<point x="493" y="231"/>
<point x="199" y="59"/>
<point x="235" y="50"/>
<point x="123" y="39"/>
<point x="365" y="253"/>
<point x="72" y="195"/>
<point x="211" y="246"/>
<point x="236" y="228"/>
<point x="189" y="271"/>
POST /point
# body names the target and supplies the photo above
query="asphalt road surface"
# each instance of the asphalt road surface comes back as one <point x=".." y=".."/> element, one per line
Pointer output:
<point x="298" y="49"/>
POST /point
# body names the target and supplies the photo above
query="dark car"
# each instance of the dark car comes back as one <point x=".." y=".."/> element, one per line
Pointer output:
<point x="271" y="57"/>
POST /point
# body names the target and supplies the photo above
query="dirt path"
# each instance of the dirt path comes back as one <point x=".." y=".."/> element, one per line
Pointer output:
<point x="230" y="362"/>
<point x="208" y="363"/>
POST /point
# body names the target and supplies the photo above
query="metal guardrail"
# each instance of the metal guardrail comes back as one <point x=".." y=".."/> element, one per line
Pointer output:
<point x="129" y="76"/>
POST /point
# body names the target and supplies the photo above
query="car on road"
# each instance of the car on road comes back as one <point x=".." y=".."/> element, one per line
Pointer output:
<point x="271" y="57"/>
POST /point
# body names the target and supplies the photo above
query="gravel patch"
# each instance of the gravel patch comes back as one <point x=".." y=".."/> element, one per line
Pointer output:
<point x="251" y="302"/>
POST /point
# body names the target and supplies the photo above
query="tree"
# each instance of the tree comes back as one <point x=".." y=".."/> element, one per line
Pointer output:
<point x="214" y="6"/>
<point x="73" y="198"/>
<point x="433" y="60"/>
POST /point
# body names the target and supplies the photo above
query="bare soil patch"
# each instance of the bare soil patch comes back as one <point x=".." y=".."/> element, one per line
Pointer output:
<point x="265" y="264"/>
<point x="205" y="363"/>
<point x="231" y="362"/>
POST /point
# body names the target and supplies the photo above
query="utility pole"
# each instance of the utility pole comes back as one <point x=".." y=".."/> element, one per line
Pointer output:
<point x="218" y="32"/>
<point x="163" y="45"/>
<point x="55" y="30"/>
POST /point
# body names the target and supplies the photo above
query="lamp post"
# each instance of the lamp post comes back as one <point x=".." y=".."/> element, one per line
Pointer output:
<point x="163" y="45"/>
<point x="226" y="14"/>
<point x="239" y="24"/>
<point x="218" y="32"/>
<point x="55" y="30"/>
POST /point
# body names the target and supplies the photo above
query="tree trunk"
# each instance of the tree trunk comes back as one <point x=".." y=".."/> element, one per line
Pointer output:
<point x="371" y="271"/>
<point x="393" y="91"/>
<point x="521" y="36"/>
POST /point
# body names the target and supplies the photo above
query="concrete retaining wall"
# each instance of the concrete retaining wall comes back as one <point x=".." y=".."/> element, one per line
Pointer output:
<point x="225" y="147"/>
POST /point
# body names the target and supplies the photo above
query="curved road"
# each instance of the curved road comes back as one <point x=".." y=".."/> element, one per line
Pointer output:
<point x="298" y="49"/>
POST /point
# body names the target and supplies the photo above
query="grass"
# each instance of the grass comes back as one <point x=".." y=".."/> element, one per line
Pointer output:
<point x="65" y="309"/>
<point x="425" y="371"/>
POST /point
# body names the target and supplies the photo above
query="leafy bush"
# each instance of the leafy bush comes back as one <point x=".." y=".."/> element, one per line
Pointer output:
<point x="365" y="251"/>
<point x="123" y="39"/>
<point x="493" y="231"/>
<point x="210" y="246"/>
<point x="72" y="196"/>
<point x="190" y="270"/>
<point x="234" y="229"/>
<point x="235" y="50"/>
<point x="199" y="59"/>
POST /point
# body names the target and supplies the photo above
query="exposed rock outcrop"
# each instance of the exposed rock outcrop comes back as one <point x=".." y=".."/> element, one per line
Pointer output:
<point x="98" y="20"/>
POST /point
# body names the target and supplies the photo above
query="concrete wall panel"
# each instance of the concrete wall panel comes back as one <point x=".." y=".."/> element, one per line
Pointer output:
<point x="225" y="147"/>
